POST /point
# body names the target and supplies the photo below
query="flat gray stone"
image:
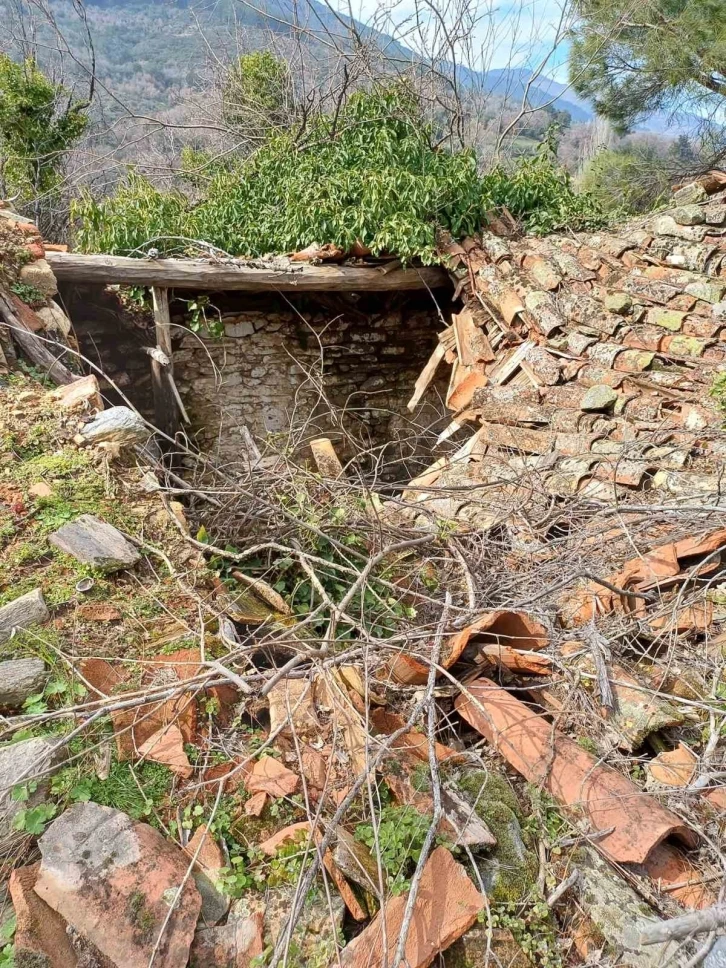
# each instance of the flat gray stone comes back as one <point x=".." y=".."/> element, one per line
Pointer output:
<point x="19" y="764"/>
<point x="20" y="678"/>
<point x="22" y="613"/>
<point x="599" y="397"/>
<point x="689" y="215"/>
<point x="618" y="913"/>
<point x="716" y="958"/>
<point x="94" y="542"/>
<point x="118" y="425"/>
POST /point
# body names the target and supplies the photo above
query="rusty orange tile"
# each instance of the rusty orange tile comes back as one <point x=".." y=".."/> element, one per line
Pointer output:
<point x="674" y="873"/>
<point x="545" y="756"/>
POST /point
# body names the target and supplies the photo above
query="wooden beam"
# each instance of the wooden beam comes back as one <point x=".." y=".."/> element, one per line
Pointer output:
<point x="166" y="412"/>
<point x="195" y="274"/>
<point x="34" y="348"/>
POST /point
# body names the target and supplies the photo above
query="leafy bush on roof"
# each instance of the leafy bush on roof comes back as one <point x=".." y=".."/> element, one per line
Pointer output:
<point x="372" y="174"/>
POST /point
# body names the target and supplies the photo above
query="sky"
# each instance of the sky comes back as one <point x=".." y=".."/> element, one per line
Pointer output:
<point x="520" y="34"/>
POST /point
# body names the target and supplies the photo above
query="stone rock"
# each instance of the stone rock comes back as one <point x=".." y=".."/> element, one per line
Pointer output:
<point x="20" y="678"/>
<point x="19" y="763"/>
<point x="317" y="929"/>
<point x="94" y="542"/>
<point x="617" y="912"/>
<point x="509" y="869"/>
<point x="239" y="329"/>
<point x="689" y="215"/>
<point x="114" y="882"/>
<point x="599" y="397"/>
<point x="357" y="863"/>
<point x="40" y="275"/>
<point x="22" y="613"/>
<point x="446" y="906"/>
<point x="117" y="425"/>
<point x="40" y="935"/>
<point x="231" y="946"/>
<point x="206" y="873"/>
<point x="54" y="319"/>
<point x="83" y="392"/>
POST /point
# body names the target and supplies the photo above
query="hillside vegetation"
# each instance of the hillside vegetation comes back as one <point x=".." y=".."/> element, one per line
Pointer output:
<point x="370" y="174"/>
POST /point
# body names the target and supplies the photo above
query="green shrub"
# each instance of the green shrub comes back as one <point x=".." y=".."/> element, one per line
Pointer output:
<point x="371" y="173"/>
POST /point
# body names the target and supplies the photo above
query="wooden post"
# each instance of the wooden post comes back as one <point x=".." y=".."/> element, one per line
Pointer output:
<point x="166" y="411"/>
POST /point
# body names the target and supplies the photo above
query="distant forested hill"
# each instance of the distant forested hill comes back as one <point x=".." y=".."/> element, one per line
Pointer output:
<point x="150" y="51"/>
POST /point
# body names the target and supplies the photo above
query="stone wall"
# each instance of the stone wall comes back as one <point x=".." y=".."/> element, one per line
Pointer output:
<point x="277" y="361"/>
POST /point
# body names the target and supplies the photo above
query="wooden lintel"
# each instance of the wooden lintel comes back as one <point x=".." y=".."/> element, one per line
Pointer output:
<point x="196" y="274"/>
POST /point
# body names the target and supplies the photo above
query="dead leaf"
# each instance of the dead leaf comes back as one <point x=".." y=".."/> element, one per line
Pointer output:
<point x="291" y="701"/>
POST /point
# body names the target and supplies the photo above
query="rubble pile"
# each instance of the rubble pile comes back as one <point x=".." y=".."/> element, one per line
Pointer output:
<point x="475" y="723"/>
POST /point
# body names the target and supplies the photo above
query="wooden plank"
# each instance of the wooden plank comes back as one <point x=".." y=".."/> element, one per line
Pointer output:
<point x="166" y="411"/>
<point x="34" y="348"/>
<point x="195" y="274"/>
<point x="426" y="376"/>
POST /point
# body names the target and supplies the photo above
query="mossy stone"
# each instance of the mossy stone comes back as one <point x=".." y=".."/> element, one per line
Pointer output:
<point x="509" y="869"/>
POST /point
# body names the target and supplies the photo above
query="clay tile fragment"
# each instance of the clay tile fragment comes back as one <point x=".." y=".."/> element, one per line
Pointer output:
<point x="256" y="804"/>
<point x="416" y="743"/>
<point x="446" y="906"/>
<point x="40" y="933"/>
<point x="544" y="755"/>
<point x="268" y="775"/>
<point x="673" y="767"/>
<point x="514" y="629"/>
<point x="673" y="872"/>
<point x="166" y="746"/>
<point x="517" y="662"/>
<point x="544" y="274"/>
<point x="301" y="832"/>
<point x="111" y="879"/>
<point x="237" y="944"/>
<point x="290" y="834"/>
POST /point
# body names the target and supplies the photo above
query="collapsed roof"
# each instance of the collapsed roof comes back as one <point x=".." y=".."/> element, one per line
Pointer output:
<point x="589" y="359"/>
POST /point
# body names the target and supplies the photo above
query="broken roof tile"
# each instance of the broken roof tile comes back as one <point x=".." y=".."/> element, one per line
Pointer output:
<point x="670" y="319"/>
<point x="546" y="757"/>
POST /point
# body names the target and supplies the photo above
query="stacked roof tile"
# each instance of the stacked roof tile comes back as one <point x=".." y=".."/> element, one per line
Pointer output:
<point x="585" y="361"/>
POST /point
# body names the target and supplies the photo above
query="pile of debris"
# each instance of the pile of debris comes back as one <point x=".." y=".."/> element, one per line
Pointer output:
<point x="476" y="723"/>
<point x="38" y="325"/>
